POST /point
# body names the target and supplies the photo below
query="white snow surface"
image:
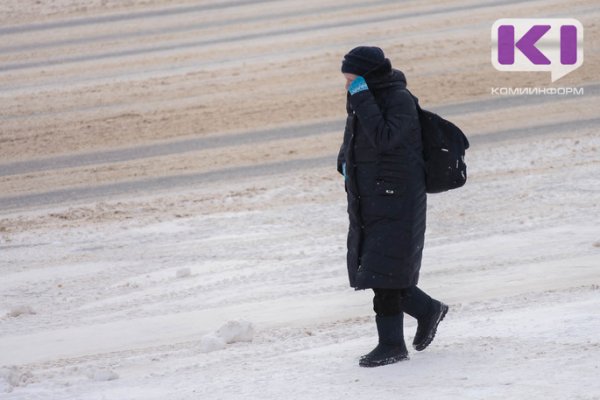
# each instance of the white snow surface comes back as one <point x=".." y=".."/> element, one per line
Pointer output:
<point x="183" y="273"/>
<point x="266" y="311"/>
<point x="236" y="331"/>
<point x="17" y="311"/>
<point x="99" y="374"/>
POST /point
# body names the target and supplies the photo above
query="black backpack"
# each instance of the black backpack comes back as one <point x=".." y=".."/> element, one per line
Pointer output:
<point x="444" y="146"/>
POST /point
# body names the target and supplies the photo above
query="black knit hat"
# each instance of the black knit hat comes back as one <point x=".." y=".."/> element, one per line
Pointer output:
<point x="363" y="59"/>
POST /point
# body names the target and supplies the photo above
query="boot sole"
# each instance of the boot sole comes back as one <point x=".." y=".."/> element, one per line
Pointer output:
<point x="444" y="311"/>
<point x="387" y="361"/>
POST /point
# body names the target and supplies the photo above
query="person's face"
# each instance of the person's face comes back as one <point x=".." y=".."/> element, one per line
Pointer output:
<point x="349" y="79"/>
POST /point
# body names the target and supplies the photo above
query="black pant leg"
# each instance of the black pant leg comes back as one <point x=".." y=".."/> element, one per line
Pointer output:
<point x="387" y="302"/>
<point x="415" y="302"/>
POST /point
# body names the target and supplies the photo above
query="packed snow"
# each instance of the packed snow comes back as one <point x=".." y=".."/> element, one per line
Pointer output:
<point x="265" y="308"/>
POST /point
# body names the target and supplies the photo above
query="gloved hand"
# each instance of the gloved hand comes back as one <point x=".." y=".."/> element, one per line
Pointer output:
<point x="358" y="85"/>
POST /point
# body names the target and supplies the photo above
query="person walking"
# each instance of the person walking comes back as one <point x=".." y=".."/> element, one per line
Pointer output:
<point x="387" y="202"/>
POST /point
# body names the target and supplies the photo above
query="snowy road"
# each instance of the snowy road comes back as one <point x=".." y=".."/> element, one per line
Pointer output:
<point x="150" y="185"/>
<point x="198" y="44"/>
<point x="207" y="142"/>
<point x="309" y="131"/>
<point x="514" y="253"/>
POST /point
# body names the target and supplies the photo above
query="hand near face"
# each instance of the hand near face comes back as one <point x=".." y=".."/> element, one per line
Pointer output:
<point x="355" y="84"/>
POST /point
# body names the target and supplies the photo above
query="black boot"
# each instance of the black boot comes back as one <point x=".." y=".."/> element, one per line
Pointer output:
<point x="427" y="311"/>
<point x="391" y="347"/>
<point x="428" y="325"/>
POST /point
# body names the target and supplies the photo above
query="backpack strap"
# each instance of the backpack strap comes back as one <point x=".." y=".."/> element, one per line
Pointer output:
<point x="418" y="158"/>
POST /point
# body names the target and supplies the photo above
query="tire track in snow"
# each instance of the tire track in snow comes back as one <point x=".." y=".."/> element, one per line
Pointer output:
<point x="127" y="16"/>
<point x="244" y="37"/>
<point x="150" y="185"/>
<point x="258" y="136"/>
<point x="183" y="28"/>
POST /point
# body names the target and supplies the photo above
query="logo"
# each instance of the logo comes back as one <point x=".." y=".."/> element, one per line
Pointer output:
<point x="530" y="44"/>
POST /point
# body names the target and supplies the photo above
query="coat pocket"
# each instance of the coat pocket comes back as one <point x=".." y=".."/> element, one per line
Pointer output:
<point x="388" y="188"/>
<point x="386" y="201"/>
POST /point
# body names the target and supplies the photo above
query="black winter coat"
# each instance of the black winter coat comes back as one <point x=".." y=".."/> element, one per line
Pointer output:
<point x="385" y="185"/>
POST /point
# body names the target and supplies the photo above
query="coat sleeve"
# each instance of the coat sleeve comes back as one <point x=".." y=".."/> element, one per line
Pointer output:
<point x="341" y="158"/>
<point x="388" y="131"/>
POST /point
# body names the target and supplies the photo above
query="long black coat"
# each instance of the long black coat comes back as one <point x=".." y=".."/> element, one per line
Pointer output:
<point x="385" y="185"/>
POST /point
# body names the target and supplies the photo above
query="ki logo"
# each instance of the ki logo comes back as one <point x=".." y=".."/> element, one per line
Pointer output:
<point x="532" y="44"/>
